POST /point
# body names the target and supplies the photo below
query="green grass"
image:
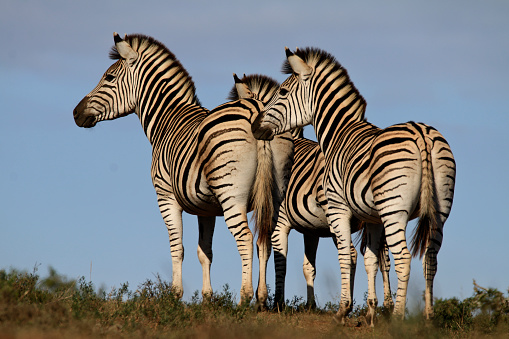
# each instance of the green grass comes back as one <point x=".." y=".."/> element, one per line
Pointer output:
<point x="58" y="307"/>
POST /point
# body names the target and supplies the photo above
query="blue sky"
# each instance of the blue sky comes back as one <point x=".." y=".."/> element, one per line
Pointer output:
<point x="81" y="200"/>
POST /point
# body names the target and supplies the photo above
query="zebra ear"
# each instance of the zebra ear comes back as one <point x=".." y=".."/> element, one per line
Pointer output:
<point x="125" y="50"/>
<point x="298" y="65"/>
<point x="242" y="90"/>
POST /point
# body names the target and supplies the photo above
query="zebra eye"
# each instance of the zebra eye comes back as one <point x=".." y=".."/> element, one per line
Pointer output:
<point x="109" y="77"/>
<point x="283" y="91"/>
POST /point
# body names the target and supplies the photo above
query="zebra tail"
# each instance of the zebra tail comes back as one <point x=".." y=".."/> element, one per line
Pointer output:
<point x="262" y="197"/>
<point x="362" y="235"/>
<point x="427" y="223"/>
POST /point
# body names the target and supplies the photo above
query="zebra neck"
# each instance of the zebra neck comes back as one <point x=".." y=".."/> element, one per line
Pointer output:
<point x="335" y="121"/>
<point x="161" y="103"/>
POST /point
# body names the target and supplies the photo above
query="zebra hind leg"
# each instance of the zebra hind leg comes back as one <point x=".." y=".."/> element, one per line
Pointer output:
<point x="396" y="240"/>
<point x="264" y="249"/>
<point x="236" y="221"/>
<point x="444" y="173"/>
<point x="280" y="243"/>
<point x="429" y="266"/>
<point x="371" y="263"/>
<point x="353" y="255"/>
<point x="206" y="227"/>
<point x="309" y="268"/>
<point x="385" y="266"/>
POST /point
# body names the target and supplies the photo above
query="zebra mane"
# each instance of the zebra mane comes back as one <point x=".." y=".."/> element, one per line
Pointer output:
<point x="315" y="58"/>
<point x="143" y="44"/>
<point x="262" y="85"/>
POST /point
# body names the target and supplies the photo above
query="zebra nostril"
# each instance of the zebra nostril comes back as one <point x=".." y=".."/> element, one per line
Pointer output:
<point x="80" y="108"/>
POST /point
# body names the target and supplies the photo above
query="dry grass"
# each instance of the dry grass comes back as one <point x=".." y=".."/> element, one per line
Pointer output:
<point x="56" y="307"/>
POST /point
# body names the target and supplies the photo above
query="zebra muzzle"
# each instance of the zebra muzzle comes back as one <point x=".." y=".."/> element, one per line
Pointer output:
<point x="83" y="117"/>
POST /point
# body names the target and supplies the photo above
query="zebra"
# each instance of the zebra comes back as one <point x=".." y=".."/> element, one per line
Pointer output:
<point x="303" y="207"/>
<point x="387" y="176"/>
<point x="203" y="162"/>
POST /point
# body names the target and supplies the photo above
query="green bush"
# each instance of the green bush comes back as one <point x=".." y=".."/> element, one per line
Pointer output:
<point x="487" y="311"/>
<point x="453" y="314"/>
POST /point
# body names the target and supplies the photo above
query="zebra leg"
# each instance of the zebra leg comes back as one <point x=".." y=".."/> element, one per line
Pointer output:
<point x="339" y="216"/>
<point x="344" y="241"/>
<point x="444" y="175"/>
<point x="309" y="268"/>
<point x="236" y="221"/>
<point x="172" y="215"/>
<point x="264" y="249"/>
<point x="395" y="226"/>
<point x="206" y="227"/>
<point x="353" y="255"/>
<point x="429" y="266"/>
<point x="280" y="244"/>
<point x="371" y="264"/>
<point x="385" y="266"/>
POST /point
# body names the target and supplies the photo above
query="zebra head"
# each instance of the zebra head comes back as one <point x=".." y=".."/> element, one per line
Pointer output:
<point x="253" y="86"/>
<point x="113" y="97"/>
<point x="290" y="106"/>
<point x="259" y="87"/>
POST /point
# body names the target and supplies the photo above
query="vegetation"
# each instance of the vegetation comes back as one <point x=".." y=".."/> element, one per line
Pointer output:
<point x="58" y="307"/>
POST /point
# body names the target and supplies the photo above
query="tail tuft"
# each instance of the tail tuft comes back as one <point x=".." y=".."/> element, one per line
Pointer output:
<point x="262" y="197"/>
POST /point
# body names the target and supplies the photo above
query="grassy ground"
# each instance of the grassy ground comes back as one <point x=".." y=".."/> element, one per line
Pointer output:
<point x="56" y="307"/>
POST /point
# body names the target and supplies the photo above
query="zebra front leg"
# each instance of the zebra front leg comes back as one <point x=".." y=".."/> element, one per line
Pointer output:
<point x="353" y="254"/>
<point x="280" y="243"/>
<point x="371" y="263"/>
<point x="172" y="215"/>
<point x="340" y="227"/>
<point x="263" y="249"/>
<point x="206" y="227"/>
<point x="309" y="268"/>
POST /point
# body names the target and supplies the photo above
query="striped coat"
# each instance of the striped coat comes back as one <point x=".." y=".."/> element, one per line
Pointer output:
<point x="387" y="176"/>
<point x="304" y="206"/>
<point x="203" y="163"/>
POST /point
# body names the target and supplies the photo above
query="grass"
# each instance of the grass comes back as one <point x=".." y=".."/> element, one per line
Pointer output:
<point x="58" y="307"/>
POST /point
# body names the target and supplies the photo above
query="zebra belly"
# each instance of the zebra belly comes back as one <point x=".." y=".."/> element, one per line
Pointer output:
<point x="314" y="222"/>
<point x="191" y="198"/>
<point x="360" y="200"/>
<point x="201" y="204"/>
<point x="305" y="213"/>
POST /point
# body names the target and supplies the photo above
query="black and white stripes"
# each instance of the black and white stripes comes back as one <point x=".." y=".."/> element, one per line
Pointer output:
<point x="387" y="176"/>
<point x="304" y="208"/>
<point x="209" y="163"/>
<point x="204" y="163"/>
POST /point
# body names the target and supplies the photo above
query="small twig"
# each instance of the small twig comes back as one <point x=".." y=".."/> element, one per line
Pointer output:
<point x="479" y="287"/>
